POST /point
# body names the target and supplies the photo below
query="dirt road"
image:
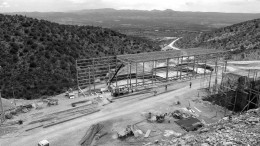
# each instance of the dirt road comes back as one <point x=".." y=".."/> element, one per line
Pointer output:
<point x="69" y="133"/>
<point x="171" y="46"/>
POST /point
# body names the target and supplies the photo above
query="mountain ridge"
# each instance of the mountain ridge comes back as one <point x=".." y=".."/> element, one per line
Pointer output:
<point x="145" y="19"/>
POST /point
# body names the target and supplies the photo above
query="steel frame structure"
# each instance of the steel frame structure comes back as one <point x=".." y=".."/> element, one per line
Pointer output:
<point x="144" y="69"/>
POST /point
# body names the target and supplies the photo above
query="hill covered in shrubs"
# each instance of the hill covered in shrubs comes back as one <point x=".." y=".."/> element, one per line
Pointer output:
<point x="243" y="38"/>
<point x="38" y="57"/>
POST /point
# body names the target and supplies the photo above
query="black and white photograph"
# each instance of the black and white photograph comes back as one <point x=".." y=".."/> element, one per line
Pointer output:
<point x="129" y="72"/>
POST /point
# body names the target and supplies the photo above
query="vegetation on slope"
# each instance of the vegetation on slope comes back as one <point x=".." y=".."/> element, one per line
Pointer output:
<point x="38" y="57"/>
<point x="241" y="37"/>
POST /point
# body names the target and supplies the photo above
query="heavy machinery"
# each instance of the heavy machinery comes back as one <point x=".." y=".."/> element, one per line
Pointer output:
<point x="159" y="118"/>
<point x="116" y="91"/>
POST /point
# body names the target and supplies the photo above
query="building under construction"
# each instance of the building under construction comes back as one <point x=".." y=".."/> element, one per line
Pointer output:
<point x="131" y="72"/>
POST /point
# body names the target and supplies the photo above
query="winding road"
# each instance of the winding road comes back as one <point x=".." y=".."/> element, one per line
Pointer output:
<point x="171" y="46"/>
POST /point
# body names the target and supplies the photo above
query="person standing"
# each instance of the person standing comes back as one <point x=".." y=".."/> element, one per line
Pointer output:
<point x="190" y="84"/>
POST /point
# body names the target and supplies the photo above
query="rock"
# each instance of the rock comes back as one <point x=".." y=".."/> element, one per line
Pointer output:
<point x="228" y="143"/>
<point x="252" y="119"/>
<point x="25" y="110"/>
<point x="8" y="115"/>
<point x="34" y="105"/>
<point x="241" y="130"/>
<point x="153" y="119"/>
<point x="202" y="130"/>
<point x="156" y="141"/>
<point x="13" y="112"/>
<point x="28" y="106"/>
<point x="225" y="118"/>
<point x="138" y="133"/>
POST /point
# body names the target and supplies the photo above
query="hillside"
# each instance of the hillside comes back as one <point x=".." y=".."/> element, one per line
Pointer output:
<point x="38" y="57"/>
<point x="243" y="37"/>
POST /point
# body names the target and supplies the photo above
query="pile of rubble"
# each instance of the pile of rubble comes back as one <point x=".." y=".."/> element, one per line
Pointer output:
<point x="241" y="129"/>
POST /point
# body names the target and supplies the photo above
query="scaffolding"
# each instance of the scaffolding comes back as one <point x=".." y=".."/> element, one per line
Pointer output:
<point x="237" y="91"/>
<point x="146" y="70"/>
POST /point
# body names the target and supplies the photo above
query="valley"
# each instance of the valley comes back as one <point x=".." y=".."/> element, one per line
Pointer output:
<point x="129" y="77"/>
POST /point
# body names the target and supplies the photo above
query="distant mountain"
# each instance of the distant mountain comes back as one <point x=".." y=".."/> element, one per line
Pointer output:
<point x="111" y="18"/>
<point x="243" y="38"/>
<point x="38" y="57"/>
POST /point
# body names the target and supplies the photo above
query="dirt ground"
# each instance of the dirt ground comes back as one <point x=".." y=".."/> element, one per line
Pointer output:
<point x="122" y="112"/>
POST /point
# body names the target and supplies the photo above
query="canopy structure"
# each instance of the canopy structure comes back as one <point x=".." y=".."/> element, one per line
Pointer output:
<point x="160" y="55"/>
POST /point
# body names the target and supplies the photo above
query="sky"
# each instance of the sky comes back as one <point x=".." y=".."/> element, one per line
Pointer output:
<point x="234" y="6"/>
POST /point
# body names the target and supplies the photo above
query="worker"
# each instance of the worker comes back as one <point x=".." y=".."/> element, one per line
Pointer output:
<point x="190" y="84"/>
<point x="155" y="92"/>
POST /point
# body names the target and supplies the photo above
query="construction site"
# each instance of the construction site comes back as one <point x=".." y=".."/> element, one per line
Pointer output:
<point x="134" y="72"/>
<point x="153" y="98"/>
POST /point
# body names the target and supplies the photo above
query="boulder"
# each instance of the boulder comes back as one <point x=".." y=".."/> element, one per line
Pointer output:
<point x="8" y="115"/>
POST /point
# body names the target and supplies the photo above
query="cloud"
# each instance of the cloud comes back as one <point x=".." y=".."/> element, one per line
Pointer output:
<point x="4" y="5"/>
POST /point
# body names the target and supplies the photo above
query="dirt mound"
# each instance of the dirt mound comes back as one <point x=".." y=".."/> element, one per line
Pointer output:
<point x="8" y="105"/>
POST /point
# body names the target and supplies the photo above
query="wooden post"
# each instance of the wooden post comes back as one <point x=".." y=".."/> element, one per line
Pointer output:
<point x="2" y="109"/>
<point x="130" y="75"/>
<point x="205" y="67"/>
<point x="250" y="93"/>
<point x="89" y="80"/>
<point x="226" y="105"/>
<point x="109" y="71"/>
<point x="127" y="77"/>
<point x="197" y="66"/>
<point x="222" y="77"/>
<point x="177" y="68"/>
<point x="136" y="74"/>
<point x="210" y="80"/>
<point x="216" y="66"/>
<point x="167" y="69"/>
<point x="115" y="72"/>
<point x="152" y="72"/>
<point x="155" y="70"/>
<point x="225" y="65"/>
<point x="77" y="75"/>
<point x="93" y="67"/>
<point x="235" y="101"/>
<point x="188" y="63"/>
<point x="181" y="67"/>
<point x="216" y="71"/>
<point x="193" y="64"/>
<point x="143" y="73"/>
